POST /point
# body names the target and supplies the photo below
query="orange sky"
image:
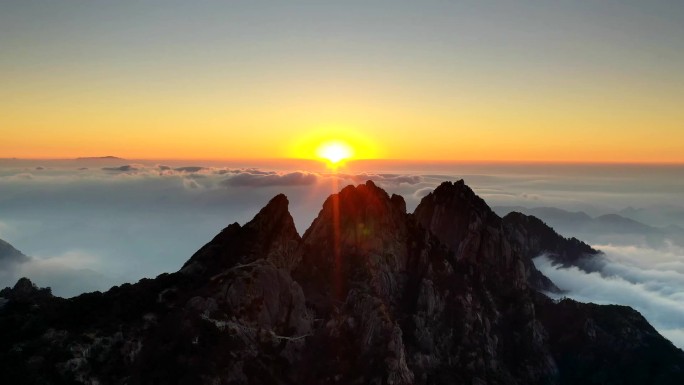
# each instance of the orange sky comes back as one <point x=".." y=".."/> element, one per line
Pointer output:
<point x="434" y="82"/>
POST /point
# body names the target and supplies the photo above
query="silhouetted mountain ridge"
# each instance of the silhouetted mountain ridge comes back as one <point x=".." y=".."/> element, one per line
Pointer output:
<point x="603" y="229"/>
<point x="539" y="239"/>
<point x="369" y="294"/>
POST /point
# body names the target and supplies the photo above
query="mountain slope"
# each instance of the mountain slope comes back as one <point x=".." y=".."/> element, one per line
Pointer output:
<point x="536" y="238"/>
<point x="603" y="229"/>
<point x="463" y="221"/>
<point x="10" y="255"/>
<point x="369" y="294"/>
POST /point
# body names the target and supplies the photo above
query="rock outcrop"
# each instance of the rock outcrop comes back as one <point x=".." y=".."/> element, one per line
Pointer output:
<point x="25" y="291"/>
<point x="370" y="294"/>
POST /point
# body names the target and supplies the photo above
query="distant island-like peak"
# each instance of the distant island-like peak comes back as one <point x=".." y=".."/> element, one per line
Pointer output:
<point x="107" y="157"/>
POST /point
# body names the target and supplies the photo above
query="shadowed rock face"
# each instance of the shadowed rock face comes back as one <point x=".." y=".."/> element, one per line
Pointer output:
<point x="271" y="235"/>
<point x="369" y="295"/>
<point x="360" y="234"/>
<point x="464" y="222"/>
<point x="9" y="255"/>
<point x="24" y="291"/>
<point x="536" y="238"/>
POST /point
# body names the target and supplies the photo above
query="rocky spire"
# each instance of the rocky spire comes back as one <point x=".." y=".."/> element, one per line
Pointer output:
<point x="353" y="272"/>
<point x="361" y="217"/>
<point x="467" y="225"/>
<point x="359" y="232"/>
<point x="463" y="221"/>
<point x="271" y="235"/>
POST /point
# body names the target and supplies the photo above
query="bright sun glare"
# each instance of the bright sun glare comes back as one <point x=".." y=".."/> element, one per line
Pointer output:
<point x="334" y="152"/>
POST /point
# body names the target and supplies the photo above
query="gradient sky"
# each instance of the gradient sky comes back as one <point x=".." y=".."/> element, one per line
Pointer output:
<point x="447" y="80"/>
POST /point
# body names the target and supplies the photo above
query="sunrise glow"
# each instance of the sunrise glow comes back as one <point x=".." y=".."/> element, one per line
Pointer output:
<point x="144" y="90"/>
<point x="323" y="189"/>
<point x="335" y="152"/>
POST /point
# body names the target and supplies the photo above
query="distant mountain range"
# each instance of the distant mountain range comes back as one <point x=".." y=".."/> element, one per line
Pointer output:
<point x="600" y="228"/>
<point x="370" y="294"/>
<point x="661" y="215"/>
<point x="108" y="157"/>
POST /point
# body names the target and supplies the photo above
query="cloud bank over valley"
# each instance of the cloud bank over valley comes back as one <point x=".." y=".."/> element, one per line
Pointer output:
<point x="92" y="223"/>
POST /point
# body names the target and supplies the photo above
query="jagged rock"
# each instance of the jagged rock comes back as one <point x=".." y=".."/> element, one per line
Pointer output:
<point x="361" y="233"/>
<point x="464" y="222"/>
<point x="369" y="295"/>
<point x="271" y="235"/>
<point x="26" y="291"/>
<point x="535" y="238"/>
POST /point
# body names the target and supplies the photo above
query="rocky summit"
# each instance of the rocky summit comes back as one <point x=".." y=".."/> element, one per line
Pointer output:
<point x="370" y="294"/>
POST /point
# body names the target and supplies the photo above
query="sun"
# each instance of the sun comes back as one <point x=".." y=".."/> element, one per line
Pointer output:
<point x="332" y="145"/>
<point x="335" y="152"/>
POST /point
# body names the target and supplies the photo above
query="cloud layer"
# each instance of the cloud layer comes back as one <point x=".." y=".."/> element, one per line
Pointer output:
<point x="651" y="281"/>
<point x="139" y="219"/>
<point x="91" y="224"/>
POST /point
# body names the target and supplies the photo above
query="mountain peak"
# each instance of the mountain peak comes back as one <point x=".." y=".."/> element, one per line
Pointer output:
<point x="26" y="291"/>
<point x="271" y="235"/>
<point x="457" y="216"/>
<point x="359" y="231"/>
<point x="360" y="213"/>
<point x="276" y="212"/>
<point x="9" y="254"/>
<point x="467" y="225"/>
<point x="459" y="189"/>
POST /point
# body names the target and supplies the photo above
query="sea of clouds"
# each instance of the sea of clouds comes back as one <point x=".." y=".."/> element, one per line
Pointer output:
<point x="91" y="224"/>
<point x="651" y="281"/>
